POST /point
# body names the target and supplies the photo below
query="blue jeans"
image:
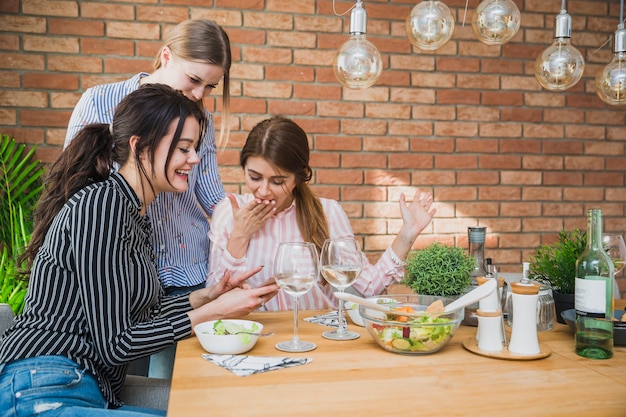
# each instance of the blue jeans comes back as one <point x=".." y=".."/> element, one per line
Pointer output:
<point x="55" y="386"/>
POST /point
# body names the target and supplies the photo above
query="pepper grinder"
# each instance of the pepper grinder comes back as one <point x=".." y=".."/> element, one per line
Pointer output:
<point x="524" y="339"/>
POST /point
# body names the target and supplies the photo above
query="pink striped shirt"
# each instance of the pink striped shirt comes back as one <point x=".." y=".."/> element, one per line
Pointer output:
<point x="283" y="228"/>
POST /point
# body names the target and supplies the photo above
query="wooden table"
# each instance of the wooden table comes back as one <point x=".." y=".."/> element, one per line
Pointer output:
<point x="358" y="378"/>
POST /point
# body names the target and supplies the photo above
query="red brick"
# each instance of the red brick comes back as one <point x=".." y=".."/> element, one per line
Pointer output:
<point x="44" y="118"/>
<point x="340" y="109"/>
<point x="411" y="161"/>
<point x="364" y="160"/>
<point x="75" y="27"/>
<point x="23" y="99"/>
<point x="162" y="14"/>
<point x="10" y="6"/>
<point x="334" y="143"/>
<point x="75" y="64"/>
<point x="107" y="47"/>
<point x="107" y="11"/>
<point x="44" y="81"/>
<point x="127" y="66"/>
<point x="290" y="107"/>
<point x="501" y="98"/>
<point x="9" y="42"/>
<point x="22" y="24"/>
<point x="471" y="145"/>
<point x="9" y="79"/>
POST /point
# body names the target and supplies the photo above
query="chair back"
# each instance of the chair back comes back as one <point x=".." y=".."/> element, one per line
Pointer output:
<point x="6" y="317"/>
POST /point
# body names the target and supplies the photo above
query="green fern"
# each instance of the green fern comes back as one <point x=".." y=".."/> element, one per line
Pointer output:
<point x="20" y="188"/>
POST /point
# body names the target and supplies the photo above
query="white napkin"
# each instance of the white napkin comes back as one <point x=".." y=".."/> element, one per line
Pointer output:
<point x="243" y="365"/>
<point x="330" y="319"/>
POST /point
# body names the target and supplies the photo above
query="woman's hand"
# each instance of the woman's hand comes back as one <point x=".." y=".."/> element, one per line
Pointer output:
<point x="247" y="221"/>
<point x="415" y="217"/>
<point x="227" y="283"/>
<point x="237" y="302"/>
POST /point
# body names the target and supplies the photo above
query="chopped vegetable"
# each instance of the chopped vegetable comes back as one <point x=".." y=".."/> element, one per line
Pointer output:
<point x="223" y="328"/>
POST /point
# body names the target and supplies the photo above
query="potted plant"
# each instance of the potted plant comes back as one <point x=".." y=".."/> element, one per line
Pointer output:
<point x="20" y="187"/>
<point x="439" y="270"/>
<point x="555" y="265"/>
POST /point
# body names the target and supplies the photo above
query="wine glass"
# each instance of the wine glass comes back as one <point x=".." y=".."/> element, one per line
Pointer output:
<point x="616" y="249"/>
<point x="296" y="272"/>
<point x="340" y="264"/>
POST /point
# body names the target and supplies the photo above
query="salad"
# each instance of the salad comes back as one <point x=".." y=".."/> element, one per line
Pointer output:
<point x="427" y="337"/>
<point x="224" y="328"/>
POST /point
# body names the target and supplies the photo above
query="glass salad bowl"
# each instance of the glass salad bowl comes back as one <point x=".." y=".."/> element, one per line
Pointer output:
<point x="406" y="328"/>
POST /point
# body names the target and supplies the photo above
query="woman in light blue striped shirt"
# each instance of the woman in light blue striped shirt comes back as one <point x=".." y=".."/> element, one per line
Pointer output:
<point x="194" y="59"/>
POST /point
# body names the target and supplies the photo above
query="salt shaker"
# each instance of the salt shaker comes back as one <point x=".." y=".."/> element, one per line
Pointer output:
<point x="490" y="330"/>
<point x="524" y="339"/>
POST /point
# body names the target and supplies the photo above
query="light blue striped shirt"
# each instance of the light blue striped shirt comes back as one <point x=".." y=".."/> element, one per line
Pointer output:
<point x="179" y="220"/>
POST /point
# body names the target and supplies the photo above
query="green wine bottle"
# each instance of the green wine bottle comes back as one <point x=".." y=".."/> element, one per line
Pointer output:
<point x="594" y="294"/>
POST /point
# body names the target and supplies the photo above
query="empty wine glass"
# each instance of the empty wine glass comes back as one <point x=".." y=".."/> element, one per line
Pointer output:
<point x="340" y="264"/>
<point x="296" y="272"/>
<point x="616" y="249"/>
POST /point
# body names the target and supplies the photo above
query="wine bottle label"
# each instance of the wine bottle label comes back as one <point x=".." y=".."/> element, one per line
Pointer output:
<point x="590" y="298"/>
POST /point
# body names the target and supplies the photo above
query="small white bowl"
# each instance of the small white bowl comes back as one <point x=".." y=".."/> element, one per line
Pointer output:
<point x="353" y="309"/>
<point x="227" y="344"/>
<point x="353" y="312"/>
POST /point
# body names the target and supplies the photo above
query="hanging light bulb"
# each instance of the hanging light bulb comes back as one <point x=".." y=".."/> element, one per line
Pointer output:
<point x="429" y="25"/>
<point x="561" y="65"/>
<point x="496" y="21"/>
<point x="611" y="81"/>
<point x="357" y="63"/>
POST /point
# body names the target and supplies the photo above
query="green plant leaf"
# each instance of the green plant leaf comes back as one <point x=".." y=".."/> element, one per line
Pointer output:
<point x="20" y="188"/>
<point x="555" y="264"/>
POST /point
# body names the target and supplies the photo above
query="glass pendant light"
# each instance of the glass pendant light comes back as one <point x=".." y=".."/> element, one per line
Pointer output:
<point x="357" y="63"/>
<point x="496" y="21"/>
<point x="430" y="25"/>
<point x="611" y="81"/>
<point x="561" y="65"/>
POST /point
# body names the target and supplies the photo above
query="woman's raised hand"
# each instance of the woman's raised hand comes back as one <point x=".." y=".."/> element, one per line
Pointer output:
<point x="418" y="214"/>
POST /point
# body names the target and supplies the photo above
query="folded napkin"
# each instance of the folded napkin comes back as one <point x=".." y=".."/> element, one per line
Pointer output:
<point x="243" y="365"/>
<point x="330" y="319"/>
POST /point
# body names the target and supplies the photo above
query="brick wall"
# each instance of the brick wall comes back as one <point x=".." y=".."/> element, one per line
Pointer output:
<point x="467" y="122"/>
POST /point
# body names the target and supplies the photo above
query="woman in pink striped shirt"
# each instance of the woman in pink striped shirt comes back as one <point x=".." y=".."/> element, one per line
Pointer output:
<point x="246" y="229"/>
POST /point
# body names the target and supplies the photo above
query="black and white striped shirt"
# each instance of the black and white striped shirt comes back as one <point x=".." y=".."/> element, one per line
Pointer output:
<point x="94" y="294"/>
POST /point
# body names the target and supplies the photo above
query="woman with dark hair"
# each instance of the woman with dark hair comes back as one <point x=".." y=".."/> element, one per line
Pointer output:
<point x="282" y="208"/>
<point x="94" y="300"/>
<point x="195" y="58"/>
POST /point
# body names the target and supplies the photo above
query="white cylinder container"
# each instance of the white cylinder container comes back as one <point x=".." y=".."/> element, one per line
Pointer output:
<point x="490" y="330"/>
<point x="524" y="339"/>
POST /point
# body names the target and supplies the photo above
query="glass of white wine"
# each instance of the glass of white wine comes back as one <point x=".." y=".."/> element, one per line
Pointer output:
<point x="296" y="272"/>
<point x="616" y="249"/>
<point x="341" y="263"/>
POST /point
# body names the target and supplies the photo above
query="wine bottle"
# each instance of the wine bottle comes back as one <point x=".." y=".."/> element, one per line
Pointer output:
<point x="594" y="294"/>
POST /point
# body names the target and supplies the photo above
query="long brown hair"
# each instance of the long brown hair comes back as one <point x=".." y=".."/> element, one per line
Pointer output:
<point x="147" y="113"/>
<point x="284" y="144"/>
<point x="202" y="40"/>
